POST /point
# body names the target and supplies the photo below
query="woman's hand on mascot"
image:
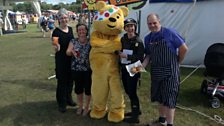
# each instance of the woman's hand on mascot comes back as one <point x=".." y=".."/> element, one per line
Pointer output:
<point x="123" y="55"/>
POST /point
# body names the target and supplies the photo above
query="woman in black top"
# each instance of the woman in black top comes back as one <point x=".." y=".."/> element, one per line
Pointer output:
<point x="133" y="44"/>
<point x="61" y="37"/>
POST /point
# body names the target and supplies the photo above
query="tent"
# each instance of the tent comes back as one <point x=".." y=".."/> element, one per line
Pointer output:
<point x="200" y="22"/>
<point x="4" y="3"/>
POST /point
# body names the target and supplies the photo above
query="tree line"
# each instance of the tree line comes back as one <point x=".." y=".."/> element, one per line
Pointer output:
<point x="28" y="8"/>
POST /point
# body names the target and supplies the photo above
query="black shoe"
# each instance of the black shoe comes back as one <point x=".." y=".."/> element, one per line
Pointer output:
<point x="71" y="103"/>
<point x="130" y="113"/>
<point x="157" y="123"/>
<point x="131" y="120"/>
<point x="62" y="109"/>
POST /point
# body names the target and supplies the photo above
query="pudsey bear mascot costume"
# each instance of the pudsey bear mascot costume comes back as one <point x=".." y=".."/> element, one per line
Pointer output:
<point x="106" y="82"/>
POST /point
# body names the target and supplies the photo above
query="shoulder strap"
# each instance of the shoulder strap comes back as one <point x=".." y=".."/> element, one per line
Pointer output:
<point x="43" y="19"/>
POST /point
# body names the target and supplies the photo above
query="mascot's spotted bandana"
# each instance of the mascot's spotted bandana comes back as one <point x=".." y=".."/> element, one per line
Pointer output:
<point x="105" y="14"/>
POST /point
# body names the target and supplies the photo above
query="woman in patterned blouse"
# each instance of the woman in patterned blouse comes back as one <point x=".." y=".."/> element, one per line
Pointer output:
<point x="79" y="49"/>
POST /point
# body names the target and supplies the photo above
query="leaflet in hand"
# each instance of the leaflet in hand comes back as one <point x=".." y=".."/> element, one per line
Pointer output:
<point x="128" y="52"/>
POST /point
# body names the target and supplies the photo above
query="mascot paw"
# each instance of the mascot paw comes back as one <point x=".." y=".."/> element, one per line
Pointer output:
<point x="96" y="114"/>
<point x="115" y="117"/>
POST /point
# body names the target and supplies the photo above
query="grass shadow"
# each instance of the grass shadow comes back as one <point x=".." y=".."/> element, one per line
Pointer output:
<point x="39" y="36"/>
<point x="45" y="113"/>
<point x="33" y="84"/>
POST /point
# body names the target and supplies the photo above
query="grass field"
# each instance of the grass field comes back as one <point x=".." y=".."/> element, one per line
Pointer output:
<point x="28" y="97"/>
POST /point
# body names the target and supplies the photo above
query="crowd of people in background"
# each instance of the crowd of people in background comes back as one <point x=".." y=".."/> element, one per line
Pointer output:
<point x="19" y="21"/>
<point x="48" y="21"/>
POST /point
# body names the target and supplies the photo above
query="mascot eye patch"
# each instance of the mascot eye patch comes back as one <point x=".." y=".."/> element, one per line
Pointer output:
<point x="105" y="14"/>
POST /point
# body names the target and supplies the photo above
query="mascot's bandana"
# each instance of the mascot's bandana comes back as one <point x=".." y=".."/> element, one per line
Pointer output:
<point x="105" y="14"/>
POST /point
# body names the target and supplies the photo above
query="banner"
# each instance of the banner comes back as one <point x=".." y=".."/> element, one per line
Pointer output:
<point x="155" y="1"/>
<point x="90" y="4"/>
<point x="123" y="2"/>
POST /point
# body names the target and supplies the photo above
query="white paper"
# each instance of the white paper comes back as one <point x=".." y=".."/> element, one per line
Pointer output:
<point x="128" y="52"/>
<point x="136" y="64"/>
<point x="51" y="77"/>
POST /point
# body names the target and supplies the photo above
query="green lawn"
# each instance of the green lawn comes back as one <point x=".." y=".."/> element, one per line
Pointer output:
<point x="28" y="97"/>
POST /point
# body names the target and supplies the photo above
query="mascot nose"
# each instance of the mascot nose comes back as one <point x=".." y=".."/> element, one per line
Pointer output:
<point x="112" y="19"/>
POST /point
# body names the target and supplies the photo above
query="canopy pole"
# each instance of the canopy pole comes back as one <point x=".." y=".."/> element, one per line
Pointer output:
<point x="189" y="20"/>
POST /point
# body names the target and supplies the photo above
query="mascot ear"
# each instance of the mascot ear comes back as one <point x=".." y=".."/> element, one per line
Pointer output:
<point x="100" y="5"/>
<point x="125" y="11"/>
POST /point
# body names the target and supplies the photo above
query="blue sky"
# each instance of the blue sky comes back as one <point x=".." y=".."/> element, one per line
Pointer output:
<point x="58" y="1"/>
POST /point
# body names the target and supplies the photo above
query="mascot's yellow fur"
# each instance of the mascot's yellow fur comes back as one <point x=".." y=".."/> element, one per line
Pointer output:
<point x="106" y="83"/>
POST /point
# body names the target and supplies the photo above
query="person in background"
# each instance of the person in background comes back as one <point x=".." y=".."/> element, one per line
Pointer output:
<point x="131" y="42"/>
<point x="79" y="49"/>
<point x="61" y="37"/>
<point x="23" y="21"/>
<point x="165" y="50"/>
<point x="82" y="18"/>
<point x="43" y="23"/>
<point x="50" y="24"/>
